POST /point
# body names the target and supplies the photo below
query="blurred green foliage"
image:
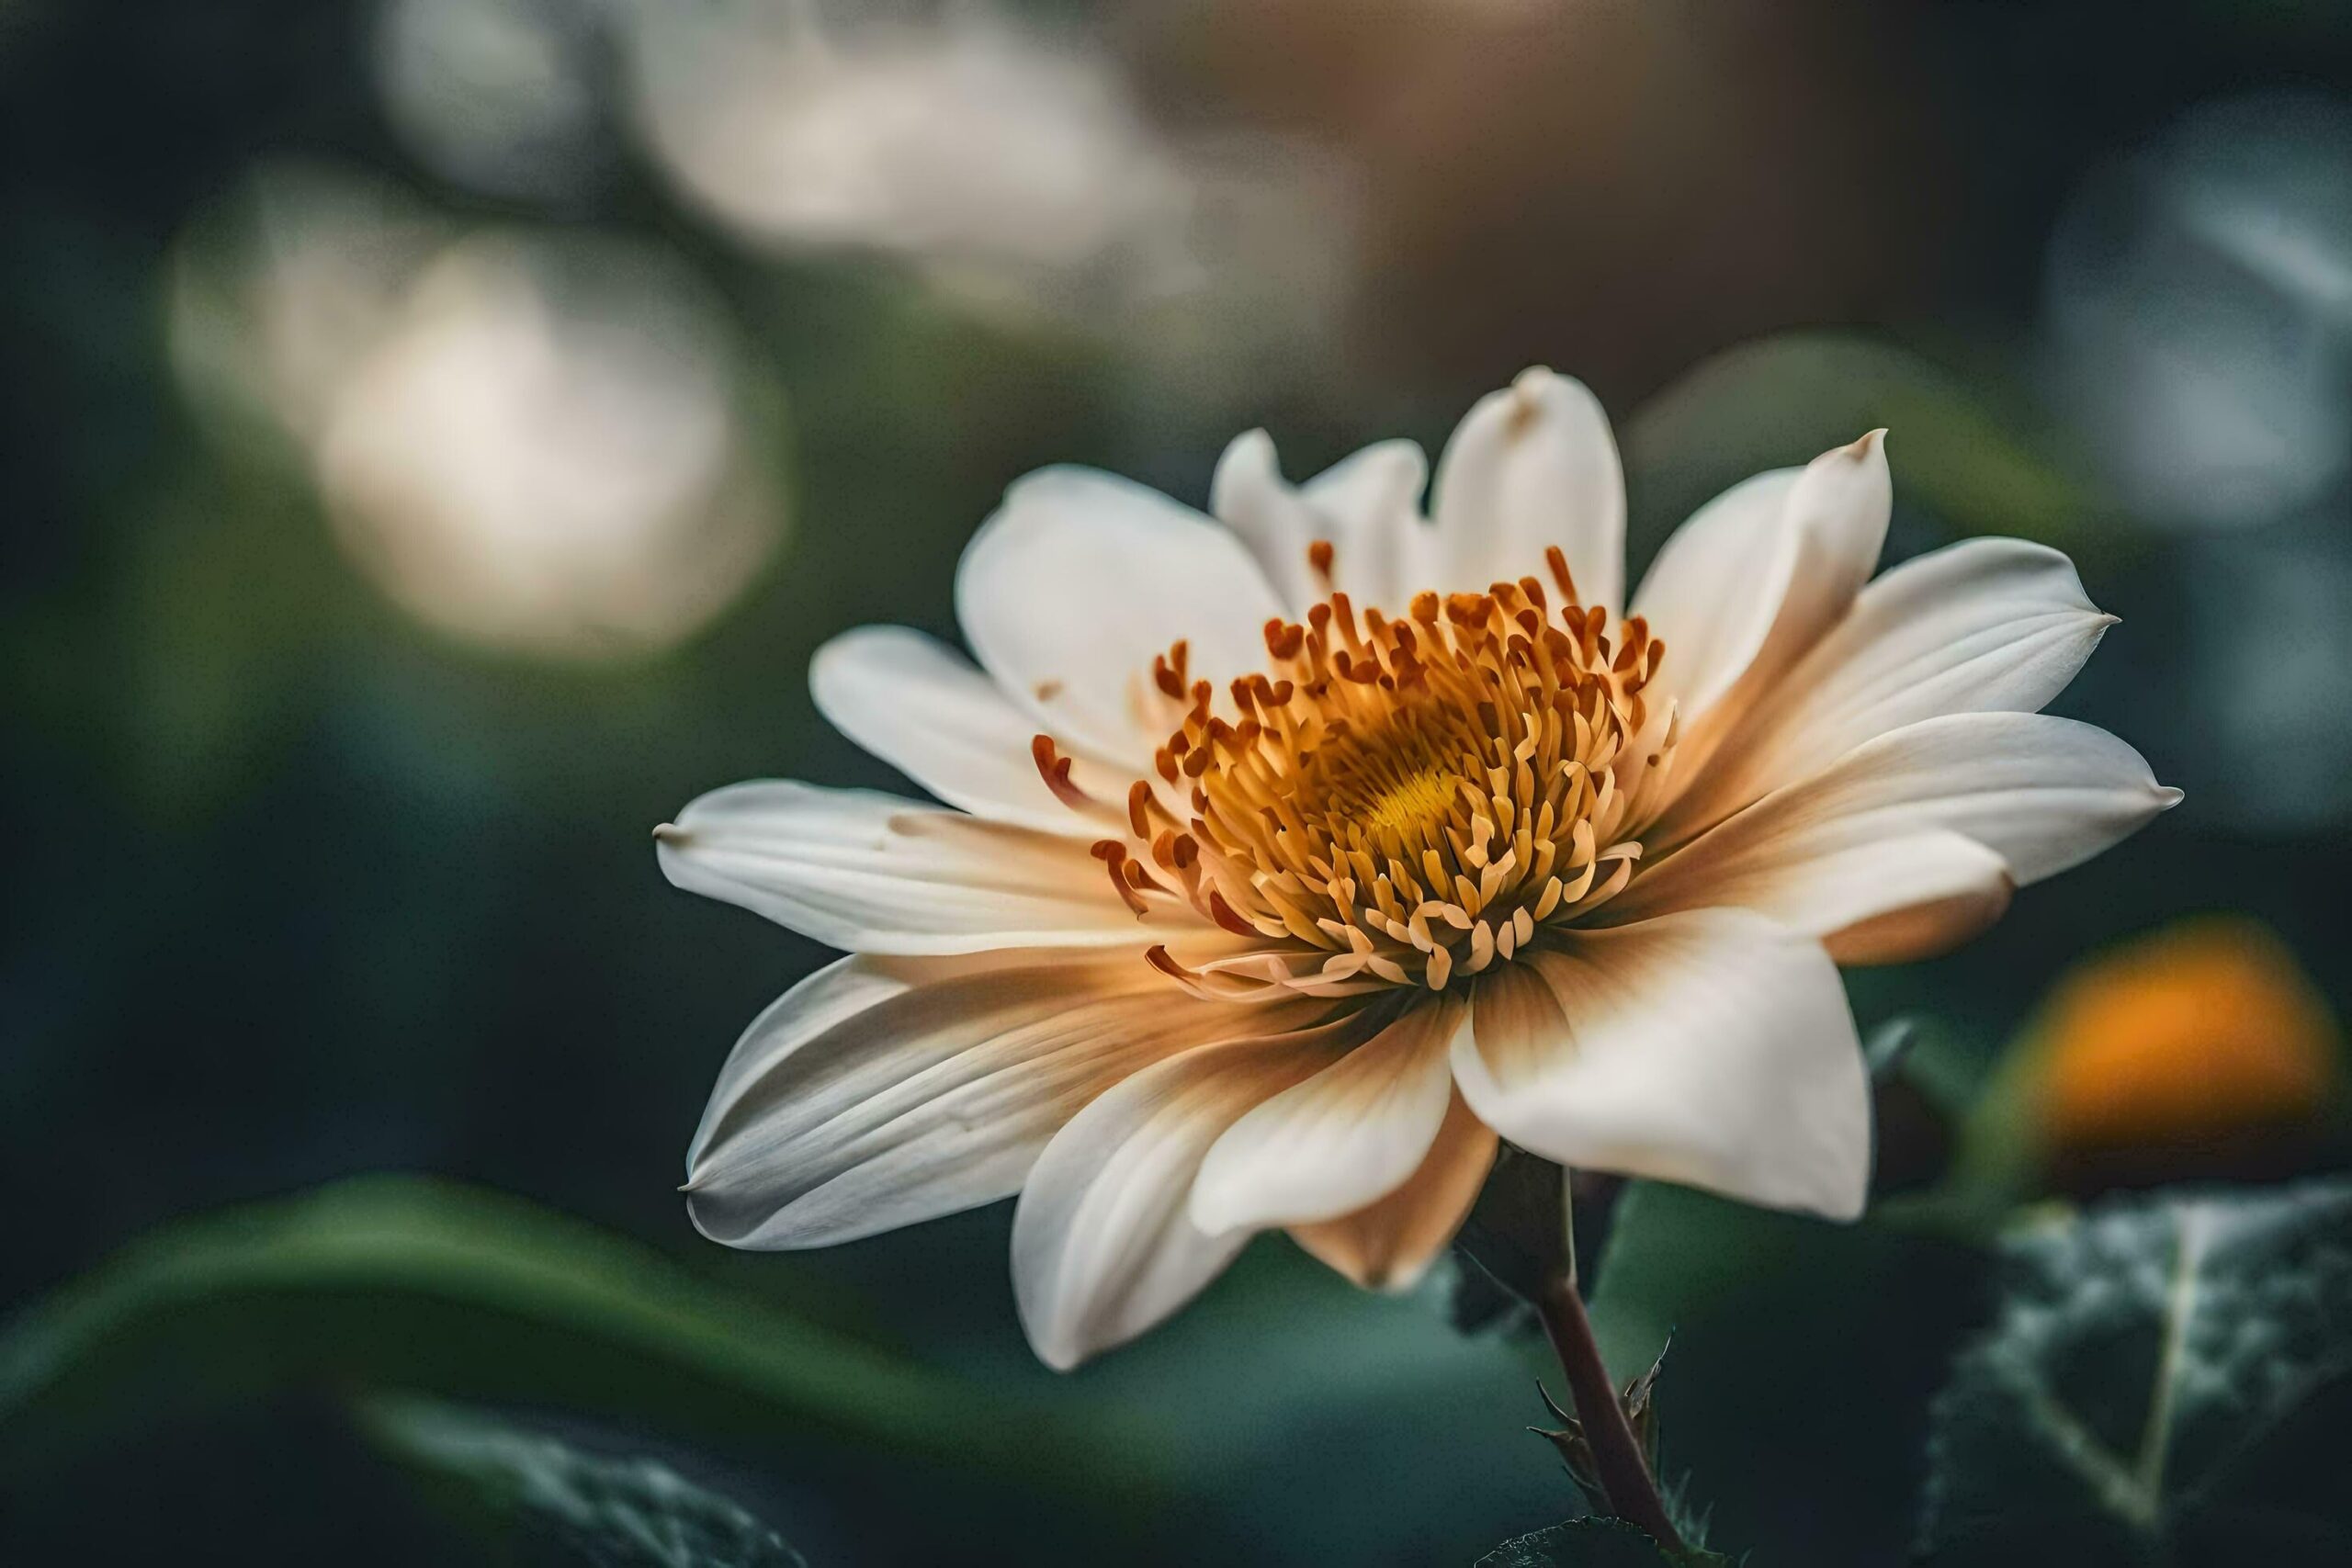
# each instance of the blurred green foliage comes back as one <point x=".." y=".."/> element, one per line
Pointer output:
<point x="574" y="1506"/>
<point x="2167" y="1380"/>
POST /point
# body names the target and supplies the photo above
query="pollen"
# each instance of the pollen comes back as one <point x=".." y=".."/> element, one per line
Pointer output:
<point x="1399" y="799"/>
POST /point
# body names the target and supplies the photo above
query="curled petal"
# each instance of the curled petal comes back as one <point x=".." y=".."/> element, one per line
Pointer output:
<point x="1717" y="585"/>
<point x="1756" y="578"/>
<point x="1389" y="1244"/>
<point x="1986" y="626"/>
<point x="1871" y="835"/>
<point x="1532" y="466"/>
<point x="1712" y="1048"/>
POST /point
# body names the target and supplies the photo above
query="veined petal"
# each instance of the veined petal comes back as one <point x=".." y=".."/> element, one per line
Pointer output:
<point x="1712" y="1048"/>
<point x="1531" y="466"/>
<point x="872" y="873"/>
<point x="1103" y="1246"/>
<point x="1366" y="507"/>
<point x="926" y="710"/>
<point x="1349" y="1136"/>
<point x="1981" y="627"/>
<point x="2040" y="794"/>
<point x="1067" y="591"/>
<point x="1389" y="1244"/>
<point x="882" y="1091"/>
<point x="1847" y="894"/>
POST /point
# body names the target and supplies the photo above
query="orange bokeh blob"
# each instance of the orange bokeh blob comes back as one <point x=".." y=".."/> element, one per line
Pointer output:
<point x="2203" y="1033"/>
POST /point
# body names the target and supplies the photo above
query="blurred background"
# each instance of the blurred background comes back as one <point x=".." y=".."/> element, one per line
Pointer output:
<point x="434" y="434"/>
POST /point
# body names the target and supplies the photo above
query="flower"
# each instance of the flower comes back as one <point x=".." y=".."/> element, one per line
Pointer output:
<point x="1291" y="859"/>
<point x="2203" y="1034"/>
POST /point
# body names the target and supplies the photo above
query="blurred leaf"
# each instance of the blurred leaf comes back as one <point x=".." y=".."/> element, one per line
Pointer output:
<point x="1592" y="1543"/>
<point x="2169" y="1381"/>
<point x="414" y="1283"/>
<point x="1474" y="1302"/>
<point x="615" y="1513"/>
<point x="1784" y="400"/>
<point x="1806" y="1354"/>
<point x="1889" y="1045"/>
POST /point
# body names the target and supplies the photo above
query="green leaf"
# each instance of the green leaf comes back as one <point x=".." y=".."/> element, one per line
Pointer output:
<point x="428" y="1286"/>
<point x="1805" y="1355"/>
<point x="1592" y="1543"/>
<point x="1785" y="399"/>
<point x="2169" y="1380"/>
<point x="611" y="1512"/>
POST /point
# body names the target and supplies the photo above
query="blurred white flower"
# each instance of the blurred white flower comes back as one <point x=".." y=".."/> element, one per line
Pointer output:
<point x="955" y="138"/>
<point x="545" y="455"/>
<point x="279" y="290"/>
<point x="502" y="96"/>
<point x="1292" y="859"/>
<point x="1007" y="165"/>
<point x="2199" y="309"/>
<point x="538" y="445"/>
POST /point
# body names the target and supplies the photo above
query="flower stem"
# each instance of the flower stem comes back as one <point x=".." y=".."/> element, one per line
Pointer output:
<point x="1625" y="1476"/>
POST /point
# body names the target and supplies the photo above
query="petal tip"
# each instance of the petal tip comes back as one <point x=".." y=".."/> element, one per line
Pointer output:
<point x="2167" y="797"/>
<point x="669" y="833"/>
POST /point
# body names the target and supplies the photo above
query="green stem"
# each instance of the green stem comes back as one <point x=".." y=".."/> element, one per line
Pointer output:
<point x="1625" y="1478"/>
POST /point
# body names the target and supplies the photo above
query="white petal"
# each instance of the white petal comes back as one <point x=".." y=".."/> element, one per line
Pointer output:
<point x="880" y="1091"/>
<point x="1930" y="919"/>
<point x="1715" y="589"/>
<point x="1846" y="894"/>
<point x="1366" y="507"/>
<point x="1532" y="466"/>
<point x="1838" y="510"/>
<point x="926" y="710"/>
<point x="1347" y="1136"/>
<point x="1388" y="1244"/>
<point x="1103" y="1248"/>
<point x="1827" y="537"/>
<point x="1981" y="627"/>
<point x="2041" y="793"/>
<point x="1383" y="551"/>
<point x="1079" y="578"/>
<point x="1710" y="1048"/>
<point x="1250" y="496"/>
<point x="872" y="873"/>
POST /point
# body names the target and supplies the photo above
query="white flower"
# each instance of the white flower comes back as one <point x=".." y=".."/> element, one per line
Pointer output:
<point x="1291" y="859"/>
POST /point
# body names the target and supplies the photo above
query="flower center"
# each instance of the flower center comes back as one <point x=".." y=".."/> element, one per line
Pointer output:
<point x="1397" y="801"/>
<point x="1411" y="804"/>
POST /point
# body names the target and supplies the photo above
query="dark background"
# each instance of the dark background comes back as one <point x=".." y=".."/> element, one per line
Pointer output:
<point x="311" y="876"/>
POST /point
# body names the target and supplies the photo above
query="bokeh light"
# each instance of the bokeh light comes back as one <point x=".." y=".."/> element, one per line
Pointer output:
<point x="1009" y="164"/>
<point x="545" y="453"/>
<point x="2191" y="1039"/>
<point x="529" y="442"/>
<point x="281" y="287"/>
<point x="2200" y="310"/>
<point x="501" y="96"/>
